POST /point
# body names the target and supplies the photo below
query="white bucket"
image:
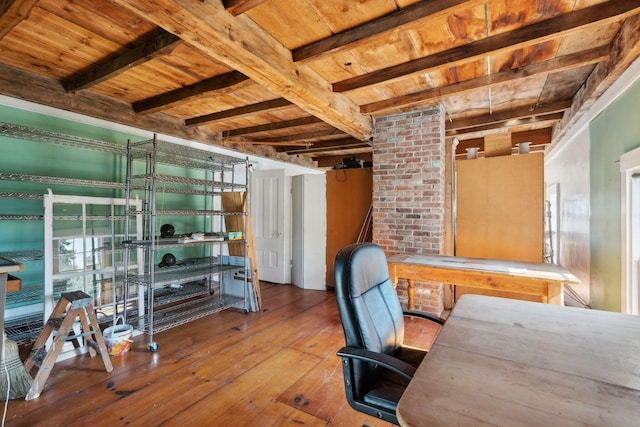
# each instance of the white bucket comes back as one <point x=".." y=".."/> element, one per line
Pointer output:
<point x="118" y="338"/>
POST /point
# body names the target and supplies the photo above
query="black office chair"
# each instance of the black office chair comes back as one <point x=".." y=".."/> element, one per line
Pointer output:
<point x="376" y="366"/>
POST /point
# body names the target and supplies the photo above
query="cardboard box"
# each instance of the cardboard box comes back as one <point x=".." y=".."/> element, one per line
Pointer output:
<point x="13" y="283"/>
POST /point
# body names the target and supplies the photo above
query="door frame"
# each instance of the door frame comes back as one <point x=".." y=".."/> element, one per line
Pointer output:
<point x="630" y="232"/>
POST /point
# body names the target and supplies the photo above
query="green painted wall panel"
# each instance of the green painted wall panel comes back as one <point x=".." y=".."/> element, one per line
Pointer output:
<point x="614" y="132"/>
<point x="36" y="158"/>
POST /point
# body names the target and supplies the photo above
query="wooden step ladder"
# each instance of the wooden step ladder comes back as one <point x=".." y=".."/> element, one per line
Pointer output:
<point x="71" y="306"/>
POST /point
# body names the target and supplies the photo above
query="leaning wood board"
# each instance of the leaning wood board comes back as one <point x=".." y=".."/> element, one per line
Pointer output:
<point x="500" y="210"/>
<point x="233" y="201"/>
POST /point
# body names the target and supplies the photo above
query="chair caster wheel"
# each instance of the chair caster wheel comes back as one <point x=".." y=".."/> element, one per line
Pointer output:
<point x="153" y="347"/>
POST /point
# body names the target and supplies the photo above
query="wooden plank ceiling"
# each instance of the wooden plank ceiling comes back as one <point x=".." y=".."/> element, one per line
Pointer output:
<point x="303" y="81"/>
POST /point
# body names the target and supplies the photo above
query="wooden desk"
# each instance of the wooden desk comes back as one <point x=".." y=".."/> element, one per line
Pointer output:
<point x="504" y="362"/>
<point x="530" y="278"/>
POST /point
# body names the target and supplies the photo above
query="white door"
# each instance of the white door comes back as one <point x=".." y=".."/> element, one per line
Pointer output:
<point x="271" y="215"/>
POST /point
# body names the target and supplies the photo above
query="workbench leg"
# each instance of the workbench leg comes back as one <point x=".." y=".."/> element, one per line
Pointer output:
<point x="555" y="293"/>
<point x="410" y="293"/>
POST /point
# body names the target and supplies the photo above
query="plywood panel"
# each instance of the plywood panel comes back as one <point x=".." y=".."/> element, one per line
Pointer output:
<point x="500" y="208"/>
<point x="497" y="144"/>
<point x="348" y="200"/>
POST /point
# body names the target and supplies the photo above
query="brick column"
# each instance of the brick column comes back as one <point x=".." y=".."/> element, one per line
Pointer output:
<point x="409" y="192"/>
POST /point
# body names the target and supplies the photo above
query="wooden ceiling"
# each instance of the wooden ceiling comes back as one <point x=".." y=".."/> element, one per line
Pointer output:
<point x="303" y="80"/>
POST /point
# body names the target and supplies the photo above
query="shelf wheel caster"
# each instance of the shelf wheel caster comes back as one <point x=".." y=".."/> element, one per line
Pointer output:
<point x="153" y="347"/>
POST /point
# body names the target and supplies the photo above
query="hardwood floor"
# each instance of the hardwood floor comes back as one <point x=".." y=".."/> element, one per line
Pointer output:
<point x="273" y="368"/>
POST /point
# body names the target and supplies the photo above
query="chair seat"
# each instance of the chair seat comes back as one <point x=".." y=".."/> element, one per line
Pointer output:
<point x="413" y="356"/>
<point x="385" y="394"/>
<point x="389" y="386"/>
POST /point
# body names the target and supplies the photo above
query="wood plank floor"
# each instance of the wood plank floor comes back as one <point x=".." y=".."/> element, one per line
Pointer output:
<point x="273" y="368"/>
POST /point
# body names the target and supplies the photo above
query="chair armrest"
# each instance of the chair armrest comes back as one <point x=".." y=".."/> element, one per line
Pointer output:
<point x="386" y="361"/>
<point x="424" y="315"/>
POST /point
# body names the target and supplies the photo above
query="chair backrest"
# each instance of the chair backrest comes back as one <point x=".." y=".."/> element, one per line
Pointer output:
<point x="369" y="308"/>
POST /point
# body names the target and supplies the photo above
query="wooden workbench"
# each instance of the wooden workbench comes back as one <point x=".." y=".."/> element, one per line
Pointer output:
<point x="503" y="362"/>
<point x="543" y="280"/>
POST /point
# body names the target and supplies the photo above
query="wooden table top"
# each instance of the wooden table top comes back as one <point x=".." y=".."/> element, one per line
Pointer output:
<point x="505" y="362"/>
<point x="550" y="272"/>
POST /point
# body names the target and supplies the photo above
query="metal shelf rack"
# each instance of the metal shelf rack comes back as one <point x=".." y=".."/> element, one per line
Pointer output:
<point x="197" y="288"/>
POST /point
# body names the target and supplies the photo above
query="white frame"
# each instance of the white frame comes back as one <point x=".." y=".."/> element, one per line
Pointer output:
<point x="630" y="243"/>
<point x="50" y="200"/>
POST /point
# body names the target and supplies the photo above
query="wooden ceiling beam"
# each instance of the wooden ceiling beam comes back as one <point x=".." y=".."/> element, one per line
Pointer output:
<point x="431" y="96"/>
<point x="393" y="22"/>
<point x="536" y="137"/>
<point x="323" y="146"/>
<point x="271" y="105"/>
<point x="271" y="143"/>
<point x="243" y="45"/>
<point x="546" y="119"/>
<point x="218" y="85"/>
<point x="304" y="137"/>
<point x="538" y="32"/>
<point x="12" y="12"/>
<point x="238" y="7"/>
<point x="467" y="125"/>
<point x="150" y="46"/>
<point x="285" y="124"/>
<point x="35" y="88"/>
<point x="625" y="49"/>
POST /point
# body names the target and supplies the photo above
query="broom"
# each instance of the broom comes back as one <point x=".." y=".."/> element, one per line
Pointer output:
<point x="15" y="381"/>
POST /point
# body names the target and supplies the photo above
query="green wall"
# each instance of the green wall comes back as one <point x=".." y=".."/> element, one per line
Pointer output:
<point x="26" y="157"/>
<point x="614" y="132"/>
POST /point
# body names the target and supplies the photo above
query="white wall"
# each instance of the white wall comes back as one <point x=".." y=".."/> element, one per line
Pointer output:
<point x="309" y="234"/>
<point x="568" y="168"/>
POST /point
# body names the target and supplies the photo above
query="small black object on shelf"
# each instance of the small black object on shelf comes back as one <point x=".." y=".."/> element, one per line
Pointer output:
<point x="167" y="260"/>
<point x="167" y="230"/>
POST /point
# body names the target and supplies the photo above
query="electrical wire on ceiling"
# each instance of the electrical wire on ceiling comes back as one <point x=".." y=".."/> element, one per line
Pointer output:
<point x="486" y="27"/>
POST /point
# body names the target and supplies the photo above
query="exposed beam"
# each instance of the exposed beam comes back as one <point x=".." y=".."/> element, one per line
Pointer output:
<point x="285" y="124"/>
<point x="393" y="22"/>
<point x="271" y="105"/>
<point x="30" y="87"/>
<point x="430" y="96"/>
<point x="12" y="12"/>
<point x="306" y="136"/>
<point x="217" y="85"/>
<point x="536" y="137"/>
<point x="463" y="125"/>
<point x="238" y="7"/>
<point x="625" y="49"/>
<point x="531" y="34"/>
<point x="149" y="47"/>
<point x="35" y="88"/>
<point x="243" y="45"/>
<point x="547" y="119"/>
<point x="317" y="147"/>
<point x="281" y="144"/>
